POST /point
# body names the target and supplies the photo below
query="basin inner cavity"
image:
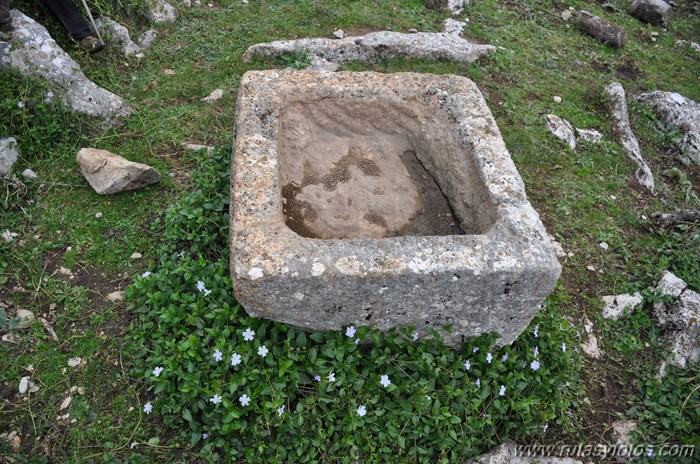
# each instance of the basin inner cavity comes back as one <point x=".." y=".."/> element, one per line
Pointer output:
<point x="376" y="169"/>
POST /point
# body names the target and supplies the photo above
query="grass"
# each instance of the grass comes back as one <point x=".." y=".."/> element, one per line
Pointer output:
<point x="584" y="198"/>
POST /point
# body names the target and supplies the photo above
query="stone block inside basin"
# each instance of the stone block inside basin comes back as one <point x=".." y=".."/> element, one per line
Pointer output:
<point x="381" y="199"/>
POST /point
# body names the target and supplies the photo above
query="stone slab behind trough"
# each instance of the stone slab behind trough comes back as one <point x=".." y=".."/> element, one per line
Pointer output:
<point x="489" y="275"/>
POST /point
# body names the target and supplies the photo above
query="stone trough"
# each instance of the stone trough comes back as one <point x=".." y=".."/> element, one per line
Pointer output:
<point x="386" y="200"/>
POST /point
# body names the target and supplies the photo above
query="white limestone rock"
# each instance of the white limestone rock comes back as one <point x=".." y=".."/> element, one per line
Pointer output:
<point x="108" y="173"/>
<point x="680" y="113"/>
<point x="454" y="27"/>
<point x="508" y="453"/>
<point x="377" y="45"/>
<point x="117" y="36"/>
<point x="9" y="152"/>
<point x="561" y="129"/>
<point x="160" y="11"/>
<point x="614" y="306"/>
<point x="34" y="53"/>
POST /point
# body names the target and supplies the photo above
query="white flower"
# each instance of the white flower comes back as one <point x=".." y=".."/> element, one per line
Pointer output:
<point x="181" y="254"/>
<point x="534" y="365"/>
<point x="357" y="341"/>
<point x="147" y="408"/>
<point x="244" y="399"/>
<point x="146" y="274"/>
<point x="505" y="357"/>
<point x="475" y="349"/>
<point x="262" y="351"/>
<point x="535" y="330"/>
<point x="200" y="286"/>
<point x="502" y="391"/>
<point x="467" y="365"/>
<point x="206" y="292"/>
<point x="49" y="94"/>
<point x="415" y="335"/>
<point x="280" y="411"/>
<point x="157" y="371"/>
<point x="350" y="331"/>
<point x="331" y="377"/>
<point x="216" y="399"/>
<point x="478" y="383"/>
<point x="385" y="381"/>
<point x="218" y="355"/>
<point x="362" y="410"/>
<point x="563" y="347"/>
<point x="235" y="359"/>
<point x="650" y="452"/>
<point x="20" y="104"/>
<point x="248" y="335"/>
<point x="545" y="427"/>
<point x="489" y="357"/>
<point x="537" y="351"/>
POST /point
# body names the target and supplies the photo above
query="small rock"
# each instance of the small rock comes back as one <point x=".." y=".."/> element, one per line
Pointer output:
<point x="81" y="390"/>
<point x="108" y="173"/>
<point x="616" y="305"/>
<point x="66" y="402"/>
<point x="562" y="129"/>
<point x="26" y="318"/>
<point x="319" y="64"/>
<point x="136" y="255"/>
<point x="650" y="11"/>
<point x="63" y="271"/>
<point x="160" y="11"/>
<point x="116" y="296"/>
<point x="14" y="439"/>
<point x="8" y="236"/>
<point x="590" y="268"/>
<point x="588" y="136"/>
<point x="147" y="39"/>
<point x="603" y="245"/>
<point x="98" y="215"/>
<point x="339" y="34"/>
<point x="214" y="96"/>
<point x="9" y="151"/>
<point x="454" y="27"/>
<point x="622" y="432"/>
<point x="23" y="385"/>
<point x="681" y="321"/>
<point x="29" y="175"/>
<point x="566" y="15"/>
<point x="590" y="347"/>
<point x="455" y="6"/>
<point x="75" y="362"/>
<point x="73" y="389"/>
<point x="117" y="36"/>
<point x="670" y="285"/>
<point x="510" y="453"/>
<point x="557" y="99"/>
<point x="169" y="72"/>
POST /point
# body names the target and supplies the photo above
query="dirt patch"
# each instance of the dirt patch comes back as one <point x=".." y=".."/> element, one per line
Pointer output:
<point x="629" y="70"/>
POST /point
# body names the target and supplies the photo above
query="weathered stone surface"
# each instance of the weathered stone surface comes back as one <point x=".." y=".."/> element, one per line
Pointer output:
<point x="117" y="36"/>
<point x="562" y="129"/>
<point x="29" y="175"/>
<point x="508" y="453"/>
<point x="34" y="53"/>
<point x="491" y="279"/>
<point x="147" y="39"/>
<point x="319" y="64"/>
<point x="590" y="346"/>
<point x="454" y="27"/>
<point x="681" y="113"/>
<point x="683" y="318"/>
<point x="376" y="45"/>
<point x="617" y="106"/>
<point x="108" y="173"/>
<point x="588" y="136"/>
<point x="9" y="151"/>
<point x="160" y="11"/>
<point x="614" y="306"/>
<point x="456" y="6"/>
<point x="650" y="11"/>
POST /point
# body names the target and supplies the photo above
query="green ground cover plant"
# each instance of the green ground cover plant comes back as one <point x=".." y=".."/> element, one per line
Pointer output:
<point x="149" y="368"/>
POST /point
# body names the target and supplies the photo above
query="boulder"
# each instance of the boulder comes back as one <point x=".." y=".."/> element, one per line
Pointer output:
<point x="108" y="173"/>
<point x="34" y="53"/>
<point x="680" y="113"/>
<point x="650" y="11"/>
<point x="377" y="45"/>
